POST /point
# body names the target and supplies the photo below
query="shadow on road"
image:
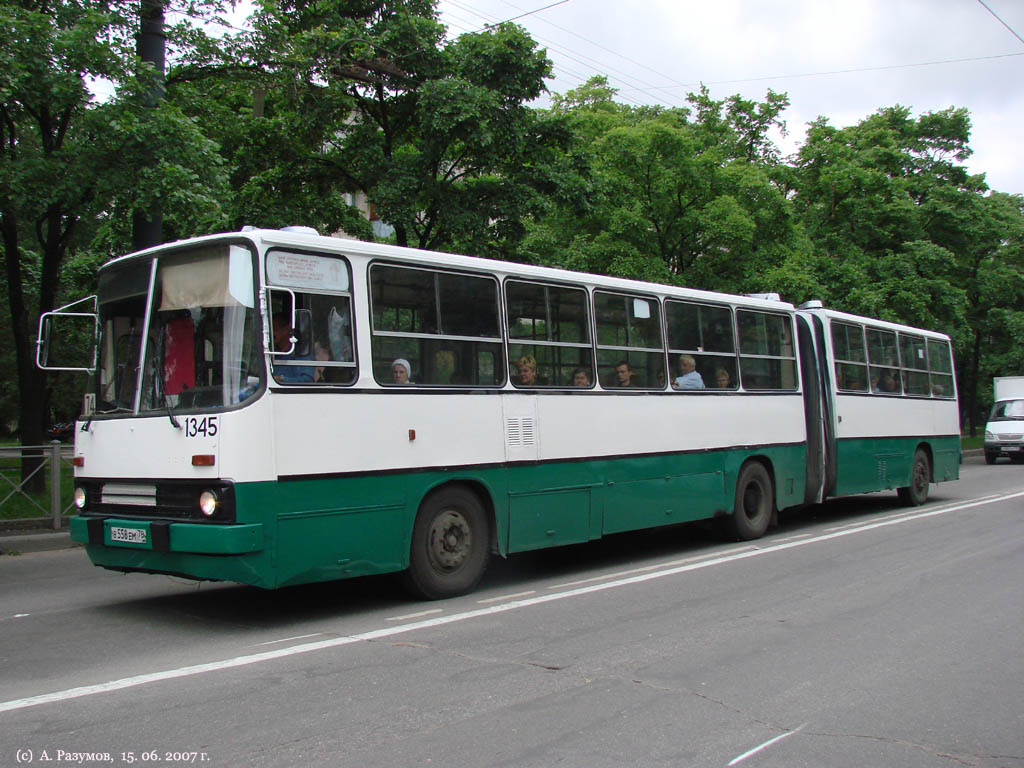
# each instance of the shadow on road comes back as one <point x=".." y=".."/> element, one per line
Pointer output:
<point x="233" y="607"/>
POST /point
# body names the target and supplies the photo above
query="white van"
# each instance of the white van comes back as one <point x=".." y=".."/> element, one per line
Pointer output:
<point x="1004" y="432"/>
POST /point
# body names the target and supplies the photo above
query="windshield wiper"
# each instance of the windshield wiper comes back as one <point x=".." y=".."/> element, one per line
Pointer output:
<point x="170" y="413"/>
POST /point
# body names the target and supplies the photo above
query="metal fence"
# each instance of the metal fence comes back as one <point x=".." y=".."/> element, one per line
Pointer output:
<point x="52" y="458"/>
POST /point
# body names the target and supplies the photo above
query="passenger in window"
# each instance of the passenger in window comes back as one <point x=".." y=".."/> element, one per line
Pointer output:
<point x="321" y="354"/>
<point x="527" y="369"/>
<point x="688" y="377"/>
<point x="890" y="385"/>
<point x="722" y="379"/>
<point x="581" y="378"/>
<point x="401" y="371"/>
<point x="623" y="374"/>
<point x="339" y="333"/>
<point x="659" y="378"/>
<point x="288" y="374"/>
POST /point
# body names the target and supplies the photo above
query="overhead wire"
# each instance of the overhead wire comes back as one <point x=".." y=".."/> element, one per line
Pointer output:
<point x="844" y="71"/>
<point x="575" y="56"/>
<point x="602" y="47"/>
<point x="1000" y="20"/>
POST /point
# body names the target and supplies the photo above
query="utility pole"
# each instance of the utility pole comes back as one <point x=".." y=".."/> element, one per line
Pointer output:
<point x="151" y="43"/>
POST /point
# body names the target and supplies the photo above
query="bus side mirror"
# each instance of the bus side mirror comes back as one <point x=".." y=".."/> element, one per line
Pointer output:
<point x="67" y="340"/>
<point x="43" y="344"/>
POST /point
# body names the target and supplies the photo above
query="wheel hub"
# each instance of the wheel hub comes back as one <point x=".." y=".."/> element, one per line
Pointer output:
<point x="450" y="540"/>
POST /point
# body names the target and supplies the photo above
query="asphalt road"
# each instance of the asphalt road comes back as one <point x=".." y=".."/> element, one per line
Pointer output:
<point x="856" y="634"/>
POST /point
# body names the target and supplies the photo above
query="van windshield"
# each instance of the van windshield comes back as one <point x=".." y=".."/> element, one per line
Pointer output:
<point x="1008" y="410"/>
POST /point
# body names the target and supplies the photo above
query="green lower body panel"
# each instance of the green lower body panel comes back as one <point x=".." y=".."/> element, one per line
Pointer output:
<point x="884" y="463"/>
<point x="302" y="530"/>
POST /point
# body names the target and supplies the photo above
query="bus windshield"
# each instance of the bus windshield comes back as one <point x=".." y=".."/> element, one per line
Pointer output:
<point x="180" y="331"/>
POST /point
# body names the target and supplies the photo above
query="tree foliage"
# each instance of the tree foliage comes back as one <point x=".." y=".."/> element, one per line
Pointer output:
<point x="70" y="166"/>
<point x="324" y="105"/>
<point x="344" y="100"/>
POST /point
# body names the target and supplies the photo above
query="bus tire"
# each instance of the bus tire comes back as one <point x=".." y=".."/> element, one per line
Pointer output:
<point x="450" y="545"/>
<point x="754" y="502"/>
<point x="916" y="494"/>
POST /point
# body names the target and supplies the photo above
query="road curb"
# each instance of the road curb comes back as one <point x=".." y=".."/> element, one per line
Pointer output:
<point x="22" y="543"/>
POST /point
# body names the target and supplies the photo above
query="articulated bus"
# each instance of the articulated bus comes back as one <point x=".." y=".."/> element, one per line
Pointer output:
<point x="274" y="407"/>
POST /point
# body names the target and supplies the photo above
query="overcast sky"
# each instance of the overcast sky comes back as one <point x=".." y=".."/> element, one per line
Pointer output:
<point x="840" y="59"/>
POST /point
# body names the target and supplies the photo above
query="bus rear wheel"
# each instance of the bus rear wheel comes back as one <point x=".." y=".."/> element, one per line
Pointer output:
<point x="450" y="545"/>
<point x="916" y="494"/>
<point x="752" y="511"/>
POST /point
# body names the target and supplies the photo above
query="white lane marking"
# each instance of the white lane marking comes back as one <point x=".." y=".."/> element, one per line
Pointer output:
<point x="904" y="513"/>
<point x="377" y="634"/>
<point x="755" y="750"/>
<point x="647" y="568"/>
<point x="792" y="538"/>
<point x="286" y="639"/>
<point x="415" y="615"/>
<point x="507" y="597"/>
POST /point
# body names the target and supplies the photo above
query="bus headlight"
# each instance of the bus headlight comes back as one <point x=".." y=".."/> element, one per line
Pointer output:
<point x="80" y="497"/>
<point x="208" y="503"/>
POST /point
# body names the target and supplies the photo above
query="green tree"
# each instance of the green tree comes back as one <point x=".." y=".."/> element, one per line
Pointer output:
<point x="369" y="98"/>
<point x="69" y="165"/>
<point x="903" y="232"/>
<point x="680" y="195"/>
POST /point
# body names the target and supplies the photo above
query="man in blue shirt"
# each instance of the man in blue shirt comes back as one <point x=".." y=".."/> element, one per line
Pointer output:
<point x="688" y="377"/>
<point x="288" y="374"/>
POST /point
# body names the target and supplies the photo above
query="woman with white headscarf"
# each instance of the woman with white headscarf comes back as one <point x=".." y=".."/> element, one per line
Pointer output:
<point x="401" y="371"/>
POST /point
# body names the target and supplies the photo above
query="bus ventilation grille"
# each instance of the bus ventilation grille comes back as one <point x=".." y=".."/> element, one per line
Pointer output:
<point x="520" y="432"/>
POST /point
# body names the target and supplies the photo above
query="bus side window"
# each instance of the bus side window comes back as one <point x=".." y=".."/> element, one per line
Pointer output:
<point x="851" y="368"/>
<point x="766" y="350"/>
<point x="629" y="347"/>
<point x="884" y="362"/>
<point x="324" y="352"/>
<point x="940" y="363"/>
<point x="441" y="323"/>
<point x="703" y="333"/>
<point x="549" y="335"/>
<point x="914" y="363"/>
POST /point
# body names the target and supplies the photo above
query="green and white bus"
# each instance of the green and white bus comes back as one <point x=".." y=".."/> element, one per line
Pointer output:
<point x="274" y="407"/>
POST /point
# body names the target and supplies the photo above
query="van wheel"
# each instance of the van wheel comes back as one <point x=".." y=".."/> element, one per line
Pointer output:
<point x="916" y="494"/>
<point x="450" y="545"/>
<point x="752" y="511"/>
<point x="990" y="458"/>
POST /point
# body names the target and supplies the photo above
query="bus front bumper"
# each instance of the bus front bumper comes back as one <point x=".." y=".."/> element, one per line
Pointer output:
<point x="166" y="536"/>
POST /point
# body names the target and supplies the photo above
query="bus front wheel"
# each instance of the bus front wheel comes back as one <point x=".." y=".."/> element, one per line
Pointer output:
<point x="450" y="545"/>
<point x="916" y="494"/>
<point x="754" y="502"/>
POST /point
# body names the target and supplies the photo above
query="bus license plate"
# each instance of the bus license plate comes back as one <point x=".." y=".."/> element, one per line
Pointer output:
<point x="129" y="535"/>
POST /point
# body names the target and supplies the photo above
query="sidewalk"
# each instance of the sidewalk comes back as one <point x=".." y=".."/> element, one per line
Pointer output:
<point x="18" y="541"/>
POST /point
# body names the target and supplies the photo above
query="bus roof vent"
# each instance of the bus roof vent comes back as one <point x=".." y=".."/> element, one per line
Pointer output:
<point x="812" y="304"/>
<point x="766" y="296"/>
<point x="300" y="230"/>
